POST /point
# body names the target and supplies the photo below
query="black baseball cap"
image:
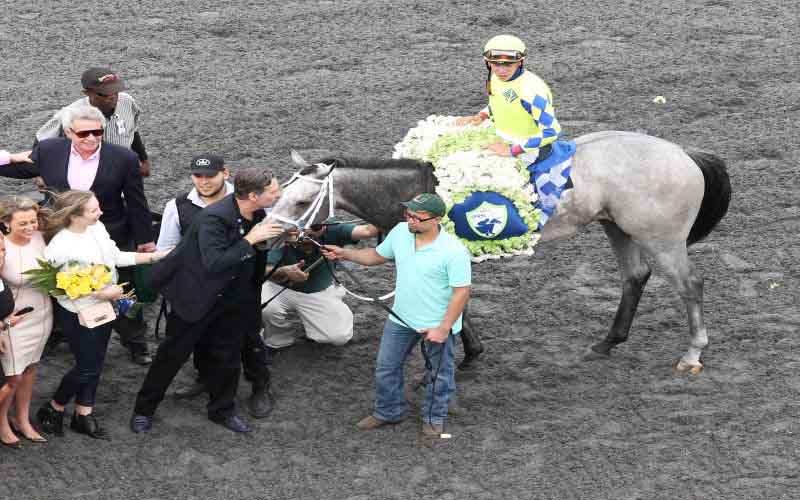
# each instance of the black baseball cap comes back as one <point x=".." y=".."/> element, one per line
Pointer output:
<point x="102" y="80"/>
<point x="207" y="164"/>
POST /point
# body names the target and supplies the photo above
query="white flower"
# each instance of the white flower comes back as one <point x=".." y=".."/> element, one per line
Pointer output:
<point x="462" y="166"/>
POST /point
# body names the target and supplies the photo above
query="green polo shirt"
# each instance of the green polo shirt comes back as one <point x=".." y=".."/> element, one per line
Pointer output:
<point x="320" y="277"/>
<point x="426" y="276"/>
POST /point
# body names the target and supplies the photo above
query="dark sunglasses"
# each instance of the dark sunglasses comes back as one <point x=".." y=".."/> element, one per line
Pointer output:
<point x="85" y="133"/>
<point x="416" y="218"/>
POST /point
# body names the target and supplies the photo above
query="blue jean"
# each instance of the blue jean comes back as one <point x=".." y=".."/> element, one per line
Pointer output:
<point x="397" y="343"/>
<point x="88" y="346"/>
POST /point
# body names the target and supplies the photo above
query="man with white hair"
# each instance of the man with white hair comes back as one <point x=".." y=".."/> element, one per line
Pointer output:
<point x="83" y="161"/>
<point x="103" y="89"/>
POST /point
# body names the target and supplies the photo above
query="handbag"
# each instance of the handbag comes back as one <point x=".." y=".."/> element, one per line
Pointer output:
<point x="97" y="314"/>
<point x="101" y="312"/>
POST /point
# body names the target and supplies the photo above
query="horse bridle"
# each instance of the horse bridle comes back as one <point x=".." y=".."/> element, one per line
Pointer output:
<point x="309" y="216"/>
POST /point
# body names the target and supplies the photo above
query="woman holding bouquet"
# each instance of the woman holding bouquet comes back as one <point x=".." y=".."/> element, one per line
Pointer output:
<point x="75" y="235"/>
<point x="21" y="345"/>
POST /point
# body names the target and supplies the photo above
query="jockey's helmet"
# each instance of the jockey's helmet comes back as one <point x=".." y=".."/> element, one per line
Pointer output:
<point x="509" y="47"/>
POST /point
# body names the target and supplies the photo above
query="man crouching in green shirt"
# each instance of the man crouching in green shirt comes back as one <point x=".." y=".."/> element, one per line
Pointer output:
<point x="311" y="294"/>
<point x="433" y="279"/>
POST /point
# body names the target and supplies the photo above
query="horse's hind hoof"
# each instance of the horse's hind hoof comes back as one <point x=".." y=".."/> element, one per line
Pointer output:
<point x="598" y="352"/>
<point x="469" y="362"/>
<point x="681" y="368"/>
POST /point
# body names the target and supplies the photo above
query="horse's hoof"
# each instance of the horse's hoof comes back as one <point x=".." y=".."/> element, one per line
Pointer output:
<point x="681" y="368"/>
<point x="469" y="362"/>
<point x="594" y="355"/>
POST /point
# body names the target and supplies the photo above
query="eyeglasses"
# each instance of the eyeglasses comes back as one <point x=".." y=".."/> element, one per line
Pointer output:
<point x="416" y="218"/>
<point x="83" y="134"/>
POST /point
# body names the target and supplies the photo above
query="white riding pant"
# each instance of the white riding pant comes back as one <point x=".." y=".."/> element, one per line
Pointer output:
<point x="325" y="317"/>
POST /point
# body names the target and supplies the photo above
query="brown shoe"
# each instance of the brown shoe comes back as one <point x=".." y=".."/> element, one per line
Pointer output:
<point x="430" y="429"/>
<point x="370" y="422"/>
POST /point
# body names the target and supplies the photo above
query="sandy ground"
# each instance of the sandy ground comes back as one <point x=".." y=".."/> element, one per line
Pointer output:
<point x="253" y="79"/>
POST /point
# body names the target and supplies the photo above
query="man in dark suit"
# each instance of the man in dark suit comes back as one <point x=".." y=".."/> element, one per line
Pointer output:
<point x="212" y="280"/>
<point x="83" y="161"/>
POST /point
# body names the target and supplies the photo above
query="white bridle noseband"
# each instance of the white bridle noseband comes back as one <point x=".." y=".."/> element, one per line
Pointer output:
<point x="309" y="216"/>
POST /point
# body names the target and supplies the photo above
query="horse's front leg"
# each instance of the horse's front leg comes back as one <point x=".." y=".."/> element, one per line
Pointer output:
<point x="635" y="272"/>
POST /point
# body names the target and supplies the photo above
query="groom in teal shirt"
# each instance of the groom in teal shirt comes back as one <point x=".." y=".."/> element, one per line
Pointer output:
<point x="433" y="280"/>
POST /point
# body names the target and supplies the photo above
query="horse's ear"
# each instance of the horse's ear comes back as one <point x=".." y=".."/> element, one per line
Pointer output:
<point x="299" y="160"/>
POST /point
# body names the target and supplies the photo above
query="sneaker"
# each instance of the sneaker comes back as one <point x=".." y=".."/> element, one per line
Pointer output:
<point x="370" y="422"/>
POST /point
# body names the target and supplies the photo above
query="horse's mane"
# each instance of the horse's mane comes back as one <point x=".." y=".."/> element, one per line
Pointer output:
<point x="377" y="164"/>
<point x="369" y="164"/>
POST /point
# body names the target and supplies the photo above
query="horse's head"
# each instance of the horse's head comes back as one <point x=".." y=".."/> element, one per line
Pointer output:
<point x="301" y="192"/>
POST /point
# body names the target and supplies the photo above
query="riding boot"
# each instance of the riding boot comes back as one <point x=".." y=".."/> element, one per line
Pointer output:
<point x="472" y="346"/>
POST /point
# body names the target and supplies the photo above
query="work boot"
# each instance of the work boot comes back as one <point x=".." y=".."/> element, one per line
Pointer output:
<point x="431" y="429"/>
<point x="260" y="403"/>
<point x="370" y="422"/>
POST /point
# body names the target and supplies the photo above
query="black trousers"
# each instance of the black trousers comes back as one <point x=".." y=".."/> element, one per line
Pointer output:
<point x="88" y="346"/>
<point x="254" y="358"/>
<point x="219" y="337"/>
<point x="131" y="330"/>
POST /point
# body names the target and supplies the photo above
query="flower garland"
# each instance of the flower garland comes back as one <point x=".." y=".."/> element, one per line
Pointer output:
<point x="462" y="166"/>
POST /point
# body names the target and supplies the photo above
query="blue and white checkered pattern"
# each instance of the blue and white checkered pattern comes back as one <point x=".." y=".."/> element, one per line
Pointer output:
<point x="550" y="177"/>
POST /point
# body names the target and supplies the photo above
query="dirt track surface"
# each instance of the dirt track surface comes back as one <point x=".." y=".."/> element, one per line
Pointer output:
<point x="252" y="80"/>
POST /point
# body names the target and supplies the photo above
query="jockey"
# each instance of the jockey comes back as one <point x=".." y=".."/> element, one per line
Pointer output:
<point x="520" y="103"/>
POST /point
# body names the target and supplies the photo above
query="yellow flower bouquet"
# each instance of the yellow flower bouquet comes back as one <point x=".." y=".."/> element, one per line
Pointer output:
<point x="73" y="280"/>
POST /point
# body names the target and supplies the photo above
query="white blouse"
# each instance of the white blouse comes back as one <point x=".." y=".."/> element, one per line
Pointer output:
<point x="93" y="246"/>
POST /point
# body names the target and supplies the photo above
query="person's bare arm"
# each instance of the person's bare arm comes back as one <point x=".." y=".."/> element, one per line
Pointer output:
<point x="363" y="256"/>
<point x="364" y="232"/>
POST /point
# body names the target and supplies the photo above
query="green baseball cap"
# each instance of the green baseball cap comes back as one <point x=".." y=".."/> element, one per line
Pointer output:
<point x="428" y="202"/>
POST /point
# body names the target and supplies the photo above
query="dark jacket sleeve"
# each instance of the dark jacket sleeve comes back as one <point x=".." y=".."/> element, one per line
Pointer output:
<point x="219" y="251"/>
<point x="139" y="218"/>
<point x="6" y="302"/>
<point x="22" y="170"/>
<point x="137" y="146"/>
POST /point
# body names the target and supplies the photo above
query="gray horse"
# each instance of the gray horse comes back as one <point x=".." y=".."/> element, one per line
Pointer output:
<point x="651" y="197"/>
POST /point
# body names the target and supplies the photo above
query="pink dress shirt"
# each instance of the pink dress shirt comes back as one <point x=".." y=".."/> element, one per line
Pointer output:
<point x="5" y="157"/>
<point x="80" y="172"/>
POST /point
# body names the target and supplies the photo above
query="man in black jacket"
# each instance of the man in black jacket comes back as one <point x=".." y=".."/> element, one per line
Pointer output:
<point x="111" y="172"/>
<point x="212" y="280"/>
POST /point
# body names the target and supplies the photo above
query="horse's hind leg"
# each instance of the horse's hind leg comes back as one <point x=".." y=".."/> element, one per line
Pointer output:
<point x="635" y="272"/>
<point x="673" y="259"/>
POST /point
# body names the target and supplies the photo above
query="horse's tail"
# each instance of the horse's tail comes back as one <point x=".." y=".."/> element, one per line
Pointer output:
<point x="716" y="197"/>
